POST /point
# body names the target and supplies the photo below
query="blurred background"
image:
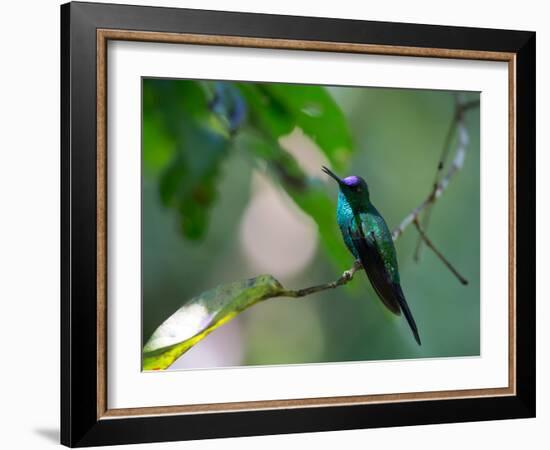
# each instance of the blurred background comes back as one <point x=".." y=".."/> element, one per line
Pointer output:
<point x="232" y="188"/>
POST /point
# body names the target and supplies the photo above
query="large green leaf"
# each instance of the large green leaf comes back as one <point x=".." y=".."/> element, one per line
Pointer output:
<point x="318" y="115"/>
<point x="202" y="315"/>
<point x="267" y="114"/>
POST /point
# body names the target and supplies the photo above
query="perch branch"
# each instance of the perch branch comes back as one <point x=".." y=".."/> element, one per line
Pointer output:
<point x="345" y="278"/>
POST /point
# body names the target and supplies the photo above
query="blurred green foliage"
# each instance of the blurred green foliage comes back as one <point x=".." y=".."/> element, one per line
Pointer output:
<point x="201" y="142"/>
<point x="197" y="122"/>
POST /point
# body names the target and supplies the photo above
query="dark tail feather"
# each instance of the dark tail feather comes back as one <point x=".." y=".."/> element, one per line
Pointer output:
<point x="408" y="315"/>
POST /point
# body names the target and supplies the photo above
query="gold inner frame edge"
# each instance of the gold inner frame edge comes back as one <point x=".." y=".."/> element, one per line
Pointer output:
<point x="103" y="36"/>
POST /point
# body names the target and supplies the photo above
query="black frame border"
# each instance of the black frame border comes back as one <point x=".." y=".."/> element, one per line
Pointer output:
<point x="79" y="423"/>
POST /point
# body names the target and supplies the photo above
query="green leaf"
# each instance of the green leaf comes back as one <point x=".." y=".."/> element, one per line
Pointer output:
<point x="202" y="315"/>
<point x="172" y="99"/>
<point x="157" y="146"/>
<point x="267" y="113"/>
<point x="318" y="115"/>
<point x="189" y="182"/>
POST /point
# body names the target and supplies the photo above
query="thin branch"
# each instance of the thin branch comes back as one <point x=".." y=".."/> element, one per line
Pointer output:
<point x="345" y="278"/>
<point x="440" y="165"/>
<point x="469" y="105"/>
<point x="439" y="189"/>
<point x="460" y="108"/>
<point x="445" y="261"/>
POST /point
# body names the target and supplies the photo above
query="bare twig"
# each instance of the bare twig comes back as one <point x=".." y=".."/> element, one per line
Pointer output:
<point x="438" y="172"/>
<point x="460" y="108"/>
<point x="439" y="189"/>
<point x="445" y="261"/>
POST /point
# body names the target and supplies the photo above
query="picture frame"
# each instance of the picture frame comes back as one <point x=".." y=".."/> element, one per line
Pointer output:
<point x="86" y="29"/>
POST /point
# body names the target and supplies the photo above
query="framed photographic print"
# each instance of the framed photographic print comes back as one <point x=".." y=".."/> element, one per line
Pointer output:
<point x="276" y="224"/>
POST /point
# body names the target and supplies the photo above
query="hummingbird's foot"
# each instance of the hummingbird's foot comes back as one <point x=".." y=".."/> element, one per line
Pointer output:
<point x="348" y="274"/>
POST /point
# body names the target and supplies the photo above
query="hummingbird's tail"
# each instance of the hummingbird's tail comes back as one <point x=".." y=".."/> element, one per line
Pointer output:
<point x="407" y="312"/>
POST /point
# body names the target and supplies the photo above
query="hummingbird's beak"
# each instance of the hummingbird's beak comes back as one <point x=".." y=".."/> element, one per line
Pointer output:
<point x="332" y="174"/>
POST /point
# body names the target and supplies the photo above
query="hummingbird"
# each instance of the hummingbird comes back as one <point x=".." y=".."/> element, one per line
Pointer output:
<point x="369" y="239"/>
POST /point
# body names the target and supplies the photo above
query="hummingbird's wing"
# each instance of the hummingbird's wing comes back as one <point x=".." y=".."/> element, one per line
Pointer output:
<point x="371" y="259"/>
<point x="390" y="292"/>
